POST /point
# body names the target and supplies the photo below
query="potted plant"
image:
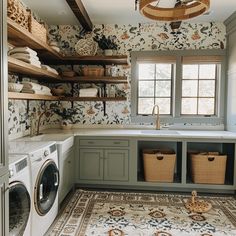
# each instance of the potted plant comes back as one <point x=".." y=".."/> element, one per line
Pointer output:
<point x="67" y="116"/>
<point x="107" y="44"/>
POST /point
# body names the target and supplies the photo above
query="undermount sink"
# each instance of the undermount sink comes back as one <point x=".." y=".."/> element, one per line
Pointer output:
<point x="159" y="132"/>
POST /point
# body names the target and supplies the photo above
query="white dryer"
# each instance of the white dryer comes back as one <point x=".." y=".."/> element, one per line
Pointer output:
<point x="45" y="182"/>
<point x="19" y="196"/>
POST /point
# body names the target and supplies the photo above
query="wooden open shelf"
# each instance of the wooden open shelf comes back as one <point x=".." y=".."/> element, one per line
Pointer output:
<point x="95" y="99"/>
<point x="18" y="36"/>
<point x="28" y="96"/>
<point x="90" y="60"/>
<point x="20" y="67"/>
<point x="93" y="79"/>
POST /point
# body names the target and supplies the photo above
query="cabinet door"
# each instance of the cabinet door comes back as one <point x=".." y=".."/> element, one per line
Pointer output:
<point x="116" y="164"/>
<point x="4" y="211"/>
<point x="66" y="173"/>
<point x="91" y="164"/>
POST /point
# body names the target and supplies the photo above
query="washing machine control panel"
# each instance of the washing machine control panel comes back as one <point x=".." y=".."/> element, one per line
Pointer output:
<point x="46" y="153"/>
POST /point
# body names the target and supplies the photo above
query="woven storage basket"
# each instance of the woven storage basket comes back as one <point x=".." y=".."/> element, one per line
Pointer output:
<point x="37" y="29"/>
<point x="159" y="165"/>
<point x="93" y="71"/>
<point x="18" y="13"/>
<point x="208" y="168"/>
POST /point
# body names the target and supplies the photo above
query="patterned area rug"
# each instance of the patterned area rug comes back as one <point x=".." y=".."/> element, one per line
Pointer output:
<point x="91" y="213"/>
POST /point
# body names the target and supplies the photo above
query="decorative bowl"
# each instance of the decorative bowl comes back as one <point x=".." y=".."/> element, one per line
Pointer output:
<point x="58" y="91"/>
<point x="86" y="47"/>
<point x="15" y="87"/>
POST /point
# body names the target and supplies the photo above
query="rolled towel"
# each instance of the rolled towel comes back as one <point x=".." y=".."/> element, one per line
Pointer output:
<point x="86" y="90"/>
<point x="25" y="50"/>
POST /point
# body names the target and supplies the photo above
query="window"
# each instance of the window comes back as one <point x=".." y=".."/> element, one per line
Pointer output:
<point x="154" y="87"/>
<point x="199" y="89"/>
<point x="187" y="85"/>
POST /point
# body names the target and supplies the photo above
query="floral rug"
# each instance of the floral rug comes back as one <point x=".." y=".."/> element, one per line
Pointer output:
<point x="90" y="213"/>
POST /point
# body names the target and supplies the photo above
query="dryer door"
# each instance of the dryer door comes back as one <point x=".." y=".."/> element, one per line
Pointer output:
<point x="46" y="187"/>
<point x="19" y="208"/>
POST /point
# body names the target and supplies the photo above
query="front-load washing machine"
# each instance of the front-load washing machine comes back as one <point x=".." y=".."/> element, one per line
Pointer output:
<point x="45" y="182"/>
<point x="19" y="196"/>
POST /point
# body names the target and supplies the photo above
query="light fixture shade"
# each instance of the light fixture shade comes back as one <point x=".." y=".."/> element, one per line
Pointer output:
<point x="187" y="10"/>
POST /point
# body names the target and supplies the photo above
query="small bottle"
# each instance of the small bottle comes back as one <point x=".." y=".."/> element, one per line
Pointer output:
<point x="112" y="91"/>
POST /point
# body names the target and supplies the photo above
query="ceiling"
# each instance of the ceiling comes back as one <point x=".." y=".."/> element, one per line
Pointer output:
<point x="116" y="11"/>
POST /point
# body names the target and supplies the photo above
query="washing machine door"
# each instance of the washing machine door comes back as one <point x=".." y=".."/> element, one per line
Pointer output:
<point x="46" y="187"/>
<point x="19" y="208"/>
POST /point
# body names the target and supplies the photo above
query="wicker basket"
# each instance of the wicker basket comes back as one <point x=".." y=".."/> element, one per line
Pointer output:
<point x="37" y="29"/>
<point x="93" y="71"/>
<point x="159" y="165"/>
<point x="208" y="168"/>
<point x="18" y="13"/>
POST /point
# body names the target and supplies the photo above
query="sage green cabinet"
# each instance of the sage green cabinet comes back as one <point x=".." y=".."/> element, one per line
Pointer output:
<point x="91" y="164"/>
<point x="103" y="164"/>
<point x="116" y="164"/>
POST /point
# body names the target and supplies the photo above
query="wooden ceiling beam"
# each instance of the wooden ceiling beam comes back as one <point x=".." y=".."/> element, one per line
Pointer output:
<point x="81" y="14"/>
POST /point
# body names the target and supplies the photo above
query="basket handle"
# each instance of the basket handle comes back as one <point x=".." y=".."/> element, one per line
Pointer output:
<point x="159" y="158"/>
<point x="211" y="158"/>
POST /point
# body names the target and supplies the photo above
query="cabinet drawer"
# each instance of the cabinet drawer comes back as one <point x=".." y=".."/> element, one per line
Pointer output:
<point x="104" y="142"/>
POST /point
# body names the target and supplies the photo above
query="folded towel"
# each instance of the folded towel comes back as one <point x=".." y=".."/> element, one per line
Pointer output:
<point x="86" y="90"/>
<point x="26" y="58"/>
<point x="32" y="91"/>
<point x="31" y="85"/>
<point x="45" y="89"/>
<point x="50" y="69"/>
<point x="25" y="50"/>
<point x="87" y="95"/>
<point x="23" y="55"/>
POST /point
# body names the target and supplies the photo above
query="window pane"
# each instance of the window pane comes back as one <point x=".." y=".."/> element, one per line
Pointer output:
<point x="163" y="88"/>
<point x="189" y="88"/>
<point x="145" y="105"/>
<point x="206" y="88"/>
<point x="206" y="106"/>
<point x="146" y="88"/>
<point x="207" y="71"/>
<point x="146" y="71"/>
<point x="163" y="71"/>
<point x="190" y="71"/>
<point x="164" y="105"/>
<point x="189" y="106"/>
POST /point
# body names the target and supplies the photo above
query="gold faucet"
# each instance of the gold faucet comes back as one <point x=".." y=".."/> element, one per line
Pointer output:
<point x="157" y="115"/>
<point x="39" y="120"/>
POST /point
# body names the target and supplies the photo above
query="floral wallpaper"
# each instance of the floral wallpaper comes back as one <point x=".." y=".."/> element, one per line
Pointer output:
<point x="140" y="37"/>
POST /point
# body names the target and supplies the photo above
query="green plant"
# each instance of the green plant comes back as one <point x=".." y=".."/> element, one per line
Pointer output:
<point x="106" y="43"/>
<point x="65" y="113"/>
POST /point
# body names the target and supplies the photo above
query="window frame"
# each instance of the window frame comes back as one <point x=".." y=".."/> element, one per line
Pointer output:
<point x="176" y="116"/>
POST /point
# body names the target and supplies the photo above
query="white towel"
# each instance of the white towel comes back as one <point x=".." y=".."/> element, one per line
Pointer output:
<point x="25" y="50"/>
<point x="32" y="91"/>
<point x="50" y="69"/>
<point x="23" y="55"/>
<point x="88" y="90"/>
<point x="31" y="85"/>
<point x="45" y="89"/>
<point x="32" y="61"/>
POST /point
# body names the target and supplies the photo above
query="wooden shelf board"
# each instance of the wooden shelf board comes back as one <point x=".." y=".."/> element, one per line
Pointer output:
<point x="90" y="60"/>
<point x="18" y="36"/>
<point x="95" y="99"/>
<point x="93" y="79"/>
<point x="28" y="96"/>
<point x="18" y="66"/>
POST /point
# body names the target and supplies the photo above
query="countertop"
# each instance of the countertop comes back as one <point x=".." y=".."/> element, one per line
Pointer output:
<point x="182" y="134"/>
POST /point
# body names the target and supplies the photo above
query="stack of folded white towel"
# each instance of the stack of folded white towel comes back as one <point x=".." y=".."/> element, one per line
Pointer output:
<point x="25" y="54"/>
<point x="49" y="69"/>
<point x="88" y="92"/>
<point x="29" y="87"/>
